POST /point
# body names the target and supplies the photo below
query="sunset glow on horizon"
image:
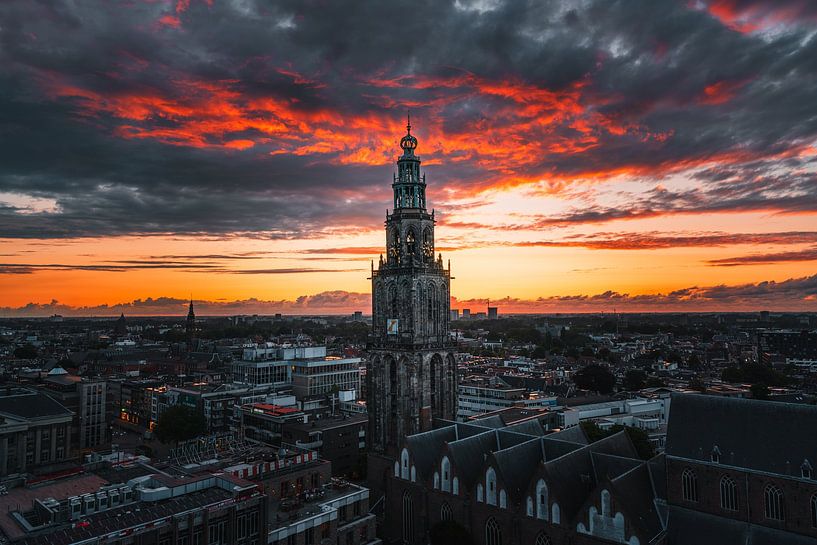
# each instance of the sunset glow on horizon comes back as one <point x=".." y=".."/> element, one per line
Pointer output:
<point x="242" y="154"/>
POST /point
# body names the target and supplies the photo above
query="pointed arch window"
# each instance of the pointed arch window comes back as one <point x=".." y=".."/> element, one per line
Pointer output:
<point x="729" y="500"/>
<point x="445" y="470"/>
<point x="814" y="511"/>
<point x="773" y="503"/>
<point x="689" y="485"/>
<point x="490" y="486"/>
<point x="445" y="512"/>
<point x="543" y="539"/>
<point x="605" y="503"/>
<point x="541" y="500"/>
<point x="503" y="499"/>
<point x="408" y="518"/>
<point x="479" y="492"/>
<point x="715" y="455"/>
<point x="404" y="464"/>
<point x="493" y="534"/>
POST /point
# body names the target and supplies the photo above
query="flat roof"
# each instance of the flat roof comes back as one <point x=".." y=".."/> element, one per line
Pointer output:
<point x="23" y="498"/>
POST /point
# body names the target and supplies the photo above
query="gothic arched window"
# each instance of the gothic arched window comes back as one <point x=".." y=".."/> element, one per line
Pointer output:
<point x="689" y="485"/>
<point x="773" y="503"/>
<point x="411" y="242"/>
<point x="605" y="503"/>
<point x="542" y="539"/>
<point x="445" y="468"/>
<point x="404" y="464"/>
<point x="394" y="307"/>
<point x="408" y="518"/>
<point x="541" y="500"/>
<point x="445" y="512"/>
<point x="729" y="500"/>
<point x="490" y="486"/>
<point x="493" y="534"/>
<point x="814" y="511"/>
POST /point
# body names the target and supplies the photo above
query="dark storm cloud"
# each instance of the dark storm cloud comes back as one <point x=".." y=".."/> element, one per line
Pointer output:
<point x="270" y="119"/>
<point x="129" y="266"/>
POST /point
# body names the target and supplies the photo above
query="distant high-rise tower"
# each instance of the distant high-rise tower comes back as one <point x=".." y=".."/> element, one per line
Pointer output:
<point x="411" y="372"/>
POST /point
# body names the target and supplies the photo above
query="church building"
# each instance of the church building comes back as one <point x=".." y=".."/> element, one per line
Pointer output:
<point x="411" y="373"/>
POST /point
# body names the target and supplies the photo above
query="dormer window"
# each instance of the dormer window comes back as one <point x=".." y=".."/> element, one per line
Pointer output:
<point x="806" y="470"/>
<point x="715" y="457"/>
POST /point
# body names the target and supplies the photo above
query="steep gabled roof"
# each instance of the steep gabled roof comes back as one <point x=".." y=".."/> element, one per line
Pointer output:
<point x="425" y="447"/>
<point x="787" y="441"/>
<point x="468" y="455"/>
<point x="688" y="527"/>
<point x="635" y="491"/>
<point x="516" y="465"/>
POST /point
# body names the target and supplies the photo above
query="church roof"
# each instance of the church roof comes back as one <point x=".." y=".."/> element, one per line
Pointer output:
<point x="517" y="464"/>
<point x="693" y="433"/>
<point x="688" y="527"/>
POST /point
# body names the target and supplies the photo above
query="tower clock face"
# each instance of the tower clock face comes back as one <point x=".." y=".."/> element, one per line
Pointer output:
<point x="428" y="250"/>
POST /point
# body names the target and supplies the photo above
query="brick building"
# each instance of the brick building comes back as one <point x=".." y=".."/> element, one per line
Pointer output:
<point x="741" y="471"/>
<point x="520" y="484"/>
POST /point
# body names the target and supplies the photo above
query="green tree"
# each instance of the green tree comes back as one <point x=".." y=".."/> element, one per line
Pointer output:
<point x="595" y="378"/>
<point x="180" y="423"/>
<point x="694" y="362"/>
<point x="635" y="379"/>
<point x="697" y="384"/>
<point x="655" y="382"/>
<point x="638" y="437"/>
<point x="731" y="374"/>
<point x="449" y="532"/>
<point x="759" y="391"/>
<point x="26" y="352"/>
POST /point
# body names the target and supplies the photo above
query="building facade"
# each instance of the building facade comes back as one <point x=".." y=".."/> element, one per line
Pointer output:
<point x="741" y="471"/>
<point x="320" y="376"/>
<point x="411" y="374"/>
<point x="35" y="432"/>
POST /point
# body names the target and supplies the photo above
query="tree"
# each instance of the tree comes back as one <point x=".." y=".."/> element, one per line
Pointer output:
<point x="759" y="391"/>
<point x="655" y="382"/>
<point x="26" y="352"/>
<point x="694" y="362"/>
<point x="449" y="532"/>
<point x="697" y="384"/>
<point x="180" y="423"/>
<point x="539" y="352"/>
<point x="638" y="437"/>
<point x="635" y="379"/>
<point x="595" y="378"/>
<point x="731" y="374"/>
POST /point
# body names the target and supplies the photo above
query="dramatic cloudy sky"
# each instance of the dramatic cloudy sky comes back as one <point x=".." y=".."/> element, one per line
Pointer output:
<point x="581" y="155"/>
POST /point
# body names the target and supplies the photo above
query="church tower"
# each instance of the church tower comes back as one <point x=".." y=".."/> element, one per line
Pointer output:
<point x="190" y="327"/>
<point x="411" y="375"/>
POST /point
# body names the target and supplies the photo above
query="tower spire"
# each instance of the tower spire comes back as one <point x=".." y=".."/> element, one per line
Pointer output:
<point x="408" y="122"/>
